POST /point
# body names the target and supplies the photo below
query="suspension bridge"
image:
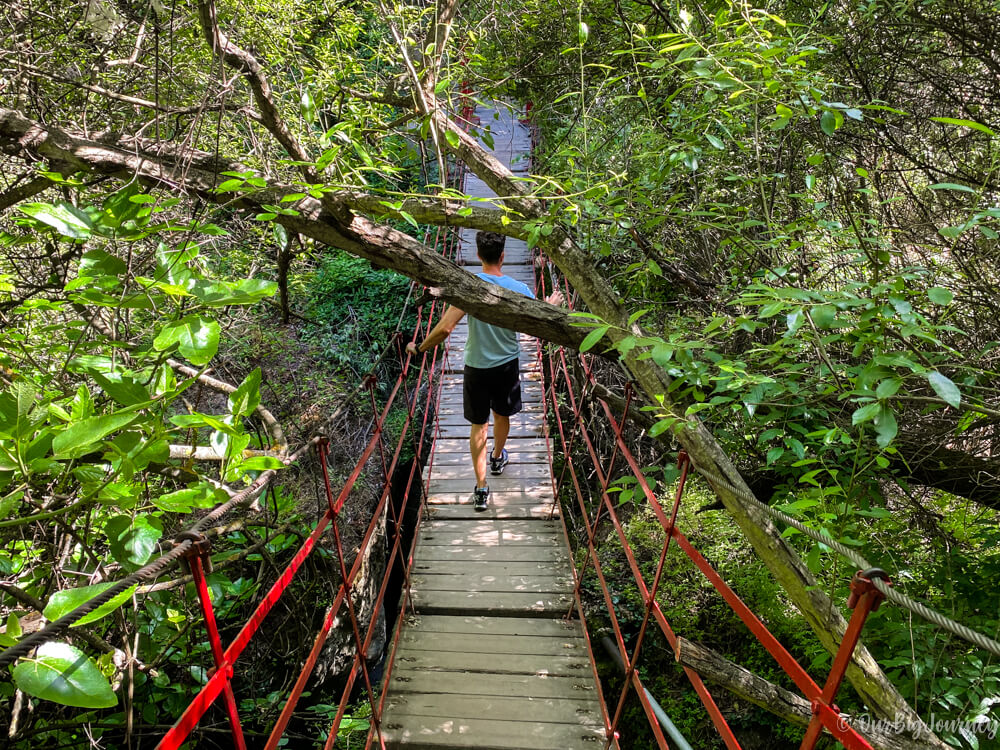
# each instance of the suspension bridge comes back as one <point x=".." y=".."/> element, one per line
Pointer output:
<point x="491" y="648"/>
<point x="487" y="659"/>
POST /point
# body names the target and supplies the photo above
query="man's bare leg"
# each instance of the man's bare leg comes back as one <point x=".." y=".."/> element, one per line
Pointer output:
<point x="501" y="429"/>
<point x="477" y="447"/>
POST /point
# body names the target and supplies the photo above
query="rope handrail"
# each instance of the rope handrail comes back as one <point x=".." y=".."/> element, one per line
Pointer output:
<point x="825" y="714"/>
<point x="220" y="681"/>
<point x="892" y="594"/>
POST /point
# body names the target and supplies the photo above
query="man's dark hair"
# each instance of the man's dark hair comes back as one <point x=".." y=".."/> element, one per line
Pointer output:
<point x="490" y="246"/>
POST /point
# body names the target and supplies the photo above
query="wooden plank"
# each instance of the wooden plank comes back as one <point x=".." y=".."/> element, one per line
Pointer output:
<point x="528" y="496"/>
<point x="500" y="645"/>
<point x="498" y="708"/>
<point x="507" y="553"/>
<point x="500" y="484"/>
<point x="457" y="418"/>
<point x="475" y="661"/>
<point x="446" y="458"/>
<point x="454" y="414"/>
<point x="516" y="431"/>
<point x="437" y="733"/>
<point x="514" y="446"/>
<point x="540" y="604"/>
<point x="533" y="686"/>
<point x="485" y="582"/>
<point x="490" y="626"/>
<point x="488" y="528"/>
<point x="491" y="537"/>
<point x="560" y="568"/>
<point x="496" y="510"/>
<point x="516" y="469"/>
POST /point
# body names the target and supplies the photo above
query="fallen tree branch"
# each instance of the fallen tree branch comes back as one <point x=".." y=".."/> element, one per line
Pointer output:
<point x="241" y="60"/>
<point x="271" y="424"/>
<point x="157" y="164"/>
<point x="208" y="453"/>
<point x="784" y="704"/>
<point x="22" y="192"/>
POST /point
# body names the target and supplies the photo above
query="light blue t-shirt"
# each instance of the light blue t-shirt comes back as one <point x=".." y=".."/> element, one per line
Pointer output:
<point x="489" y="345"/>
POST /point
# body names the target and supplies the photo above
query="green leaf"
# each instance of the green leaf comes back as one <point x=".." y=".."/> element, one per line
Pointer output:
<point x="246" y="398"/>
<point x="940" y="296"/>
<point x="79" y="437"/>
<point x="952" y="186"/>
<point x="98" y="262"/>
<point x="813" y="561"/>
<point x="965" y="123"/>
<point x="67" y="220"/>
<point x="452" y="137"/>
<point x="182" y="501"/>
<point x="626" y="345"/>
<point x="133" y="540"/>
<point x="63" y="674"/>
<point x="408" y="218"/>
<point x="865" y="413"/>
<point x="122" y="388"/>
<point x="661" y="426"/>
<point x="662" y="353"/>
<point x="583" y="32"/>
<point x="196" y="337"/>
<point x="262" y="463"/>
<point x="830" y="120"/>
<point x="888" y="388"/>
<point x="593" y="337"/>
<point x="945" y="388"/>
<point x="636" y="315"/>
<point x="885" y="426"/>
<point x="203" y="420"/>
<point x="823" y="316"/>
<point x="307" y="106"/>
<point x="13" y="627"/>
<point x="63" y="602"/>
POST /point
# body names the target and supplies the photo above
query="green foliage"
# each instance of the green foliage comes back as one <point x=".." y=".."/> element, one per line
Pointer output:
<point x="358" y="308"/>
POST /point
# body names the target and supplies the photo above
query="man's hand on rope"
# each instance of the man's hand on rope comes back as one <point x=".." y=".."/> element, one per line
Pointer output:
<point x="411" y="348"/>
<point x="556" y="298"/>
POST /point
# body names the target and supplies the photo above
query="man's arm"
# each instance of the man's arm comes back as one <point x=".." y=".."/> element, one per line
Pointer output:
<point x="452" y="315"/>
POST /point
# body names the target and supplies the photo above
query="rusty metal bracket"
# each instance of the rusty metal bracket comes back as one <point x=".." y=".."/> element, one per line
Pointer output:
<point x="201" y="547"/>
<point x="861" y="584"/>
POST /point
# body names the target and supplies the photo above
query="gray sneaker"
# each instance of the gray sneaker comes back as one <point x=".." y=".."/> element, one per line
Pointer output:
<point x="481" y="498"/>
<point x="497" y="465"/>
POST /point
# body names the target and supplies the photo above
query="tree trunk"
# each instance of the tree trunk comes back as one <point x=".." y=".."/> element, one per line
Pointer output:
<point x="794" y="709"/>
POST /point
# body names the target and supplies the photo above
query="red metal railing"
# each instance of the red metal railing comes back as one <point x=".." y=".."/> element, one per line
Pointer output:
<point x="865" y="598"/>
<point x="224" y="674"/>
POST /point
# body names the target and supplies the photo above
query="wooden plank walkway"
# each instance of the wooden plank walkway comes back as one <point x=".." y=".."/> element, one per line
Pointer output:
<point x="487" y="660"/>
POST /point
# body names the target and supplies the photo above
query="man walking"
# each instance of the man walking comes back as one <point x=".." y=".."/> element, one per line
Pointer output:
<point x="492" y="374"/>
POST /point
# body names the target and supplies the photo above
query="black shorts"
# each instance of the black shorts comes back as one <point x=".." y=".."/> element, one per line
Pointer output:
<point x="497" y="388"/>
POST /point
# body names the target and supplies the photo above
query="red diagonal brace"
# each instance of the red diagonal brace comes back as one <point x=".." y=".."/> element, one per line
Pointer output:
<point x="864" y="598"/>
<point x="199" y="561"/>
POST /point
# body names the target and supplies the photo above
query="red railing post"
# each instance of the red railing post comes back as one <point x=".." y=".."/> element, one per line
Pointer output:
<point x="199" y="561"/>
<point x="864" y="599"/>
<point x="650" y="601"/>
